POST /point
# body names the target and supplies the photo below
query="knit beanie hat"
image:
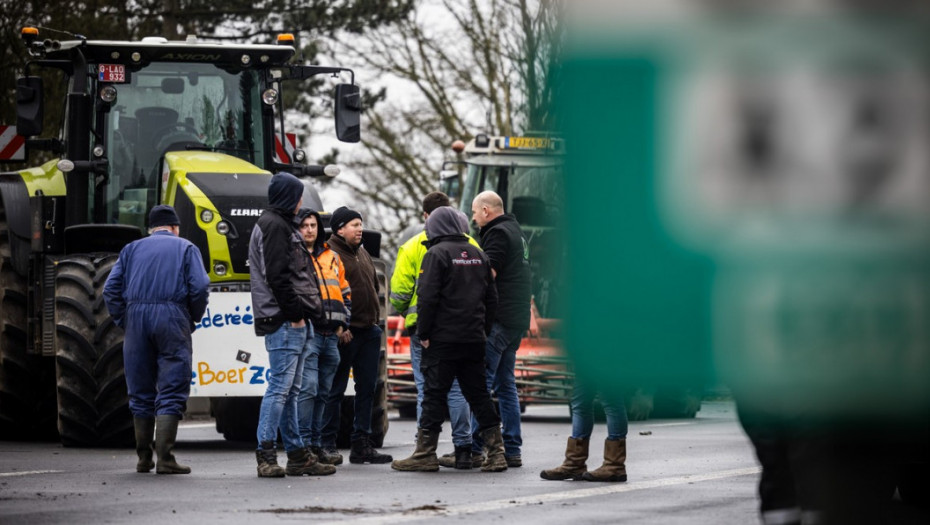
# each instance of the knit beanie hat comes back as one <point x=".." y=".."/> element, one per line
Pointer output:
<point x="163" y="215"/>
<point x="341" y="217"/>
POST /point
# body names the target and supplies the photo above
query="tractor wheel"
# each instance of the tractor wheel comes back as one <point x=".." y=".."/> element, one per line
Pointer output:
<point x="236" y="417"/>
<point x="93" y="405"/>
<point x="27" y="381"/>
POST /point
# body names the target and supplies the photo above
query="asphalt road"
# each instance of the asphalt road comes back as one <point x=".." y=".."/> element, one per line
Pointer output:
<point x="681" y="472"/>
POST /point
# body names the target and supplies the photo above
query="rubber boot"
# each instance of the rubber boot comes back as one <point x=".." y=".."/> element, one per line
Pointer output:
<point x="493" y="450"/>
<point x="267" y="458"/>
<point x="424" y="457"/>
<point x="327" y="456"/>
<point x="166" y="431"/>
<point x="145" y="436"/>
<point x="303" y="462"/>
<point x="613" y="468"/>
<point x="574" y="466"/>
<point x="363" y="452"/>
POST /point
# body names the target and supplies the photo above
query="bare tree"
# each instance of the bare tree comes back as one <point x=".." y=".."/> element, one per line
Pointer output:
<point x="448" y="70"/>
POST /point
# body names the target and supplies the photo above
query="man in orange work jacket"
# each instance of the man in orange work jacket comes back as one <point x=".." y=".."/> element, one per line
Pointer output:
<point x="320" y="367"/>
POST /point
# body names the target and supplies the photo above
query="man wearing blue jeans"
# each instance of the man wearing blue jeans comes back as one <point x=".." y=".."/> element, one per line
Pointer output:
<point x="404" y="299"/>
<point x="576" y="451"/>
<point x="503" y="242"/>
<point x="323" y="361"/>
<point x="285" y="301"/>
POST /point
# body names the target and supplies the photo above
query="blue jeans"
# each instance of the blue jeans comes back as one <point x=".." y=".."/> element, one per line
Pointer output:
<point x="459" y="412"/>
<point x="319" y="370"/>
<point x="500" y="360"/>
<point x="362" y="355"/>
<point x="287" y="349"/>
<point x="583" y="395"/>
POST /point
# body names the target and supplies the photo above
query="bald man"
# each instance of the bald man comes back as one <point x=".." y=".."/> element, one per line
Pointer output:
<point x="503" y="242"/>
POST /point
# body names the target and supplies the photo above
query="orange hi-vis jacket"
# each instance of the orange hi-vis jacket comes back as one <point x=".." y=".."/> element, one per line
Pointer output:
<point x="334" y="290"/>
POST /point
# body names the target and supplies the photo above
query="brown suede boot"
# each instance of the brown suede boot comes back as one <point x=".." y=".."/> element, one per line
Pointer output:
<point x="145" y="435"/>
<point x="493" y="450"/>
<point x="574" y="466"/>
<point x="613" y="468"/>
<point x="267" y="458"/>
<point x="424" y="457"/>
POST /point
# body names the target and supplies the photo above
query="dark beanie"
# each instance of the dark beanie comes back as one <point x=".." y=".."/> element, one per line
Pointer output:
<point x="163" y="215"/>
<point x="341" y="217"/>
<point x="284" y="192"/>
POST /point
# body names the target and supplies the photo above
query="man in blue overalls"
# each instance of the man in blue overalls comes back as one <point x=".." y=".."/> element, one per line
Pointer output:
<point x="156" y="292"/>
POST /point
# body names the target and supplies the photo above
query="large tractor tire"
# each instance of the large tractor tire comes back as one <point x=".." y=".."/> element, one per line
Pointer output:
<point x="236" y="417"/>
<point x="93" y="405"/>
<point x="27" y="381"/>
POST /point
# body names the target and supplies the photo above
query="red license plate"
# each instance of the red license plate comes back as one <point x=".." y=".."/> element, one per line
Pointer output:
<point x="114" y="73"/>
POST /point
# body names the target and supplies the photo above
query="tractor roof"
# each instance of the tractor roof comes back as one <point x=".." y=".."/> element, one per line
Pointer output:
<point x="156" y="49"/>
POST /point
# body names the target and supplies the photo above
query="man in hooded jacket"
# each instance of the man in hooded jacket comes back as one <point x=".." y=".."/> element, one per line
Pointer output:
<point x="457" y="302"/>
<point x="285" y="302"/>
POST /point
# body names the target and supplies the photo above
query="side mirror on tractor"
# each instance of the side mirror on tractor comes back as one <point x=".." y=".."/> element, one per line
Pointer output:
<point x="348" y="112"/>
<point x="29" y="106"/>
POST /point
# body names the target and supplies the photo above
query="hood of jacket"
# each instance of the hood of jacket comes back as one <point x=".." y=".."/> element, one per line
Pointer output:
<point x="284" y="193"/>
<point x="445" y="221"/>
<point x="318" y="245"/>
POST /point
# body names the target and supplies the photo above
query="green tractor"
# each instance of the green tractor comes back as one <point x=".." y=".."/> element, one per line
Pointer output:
<point x="193" y="124"/>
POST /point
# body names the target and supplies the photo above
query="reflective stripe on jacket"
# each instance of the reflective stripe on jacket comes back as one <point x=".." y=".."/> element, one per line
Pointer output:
<point x="334" y="291"/>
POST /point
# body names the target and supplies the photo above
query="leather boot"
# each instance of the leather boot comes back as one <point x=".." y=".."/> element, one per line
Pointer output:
<point x="424" y="457"/>
<point x="363" y="452"/>
<point x="166" y="431"/>
<point x="613" y="468"/>
<point x="493" y="450"/>
<point x="574" y="466"/>
<point x="302" y="461"/>
<point x="449" y="460"/>
<point x="145" y="436"/>
<point x="327" y="456"/>
<point x="267" y="458"/>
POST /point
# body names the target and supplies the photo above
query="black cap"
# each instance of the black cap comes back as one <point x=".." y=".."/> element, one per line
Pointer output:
<point x="341" y="217"/>
<point x="163" y="215"/>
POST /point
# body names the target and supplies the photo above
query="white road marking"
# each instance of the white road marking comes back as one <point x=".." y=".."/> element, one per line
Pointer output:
<point x="487" y="506"/>
<point x="28" y="472"/>
<point x="197" y="425"/>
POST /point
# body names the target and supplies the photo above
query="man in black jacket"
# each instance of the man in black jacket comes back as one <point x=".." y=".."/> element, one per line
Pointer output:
<point x="503" y="242"/>
<point x="360" y="345"/>
<point x="285" y="302"/>
<point x="456" y="303"/>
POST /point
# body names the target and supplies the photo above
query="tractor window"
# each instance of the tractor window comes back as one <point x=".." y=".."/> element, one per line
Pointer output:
<point x="176" y="107"/>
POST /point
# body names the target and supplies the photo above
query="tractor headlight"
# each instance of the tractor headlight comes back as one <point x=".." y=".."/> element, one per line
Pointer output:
<point x="300" y="155"/>
<point x="206" y="216"/>
<point x="222" y="227"/>
<point x="219" y="268"/>
<point x="108" y="94"/>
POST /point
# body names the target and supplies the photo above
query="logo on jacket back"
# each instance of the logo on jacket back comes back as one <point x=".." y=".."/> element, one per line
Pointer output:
<point x="467" y="260"/>
<point x="244" y="212"/>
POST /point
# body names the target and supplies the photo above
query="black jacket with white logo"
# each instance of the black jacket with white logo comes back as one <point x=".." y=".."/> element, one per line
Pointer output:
<point x="457" y="298"/>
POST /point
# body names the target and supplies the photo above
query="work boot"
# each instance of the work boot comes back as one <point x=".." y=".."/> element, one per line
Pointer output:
<point x="327" y="456"/>
<point x="574" y="466"/>
<point x="267" y="458"/>
<point x="145" y="435"/>
<point x="166" y="431"/>
<point x="363" y="452"/>
<point x="449" y="460"/>
<point x="514" y="461"/>
<point x="613" y="468"/>
<point x="303" y="461"/>
<point x="424" y="457"/>
<point x="494" y="450"/>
